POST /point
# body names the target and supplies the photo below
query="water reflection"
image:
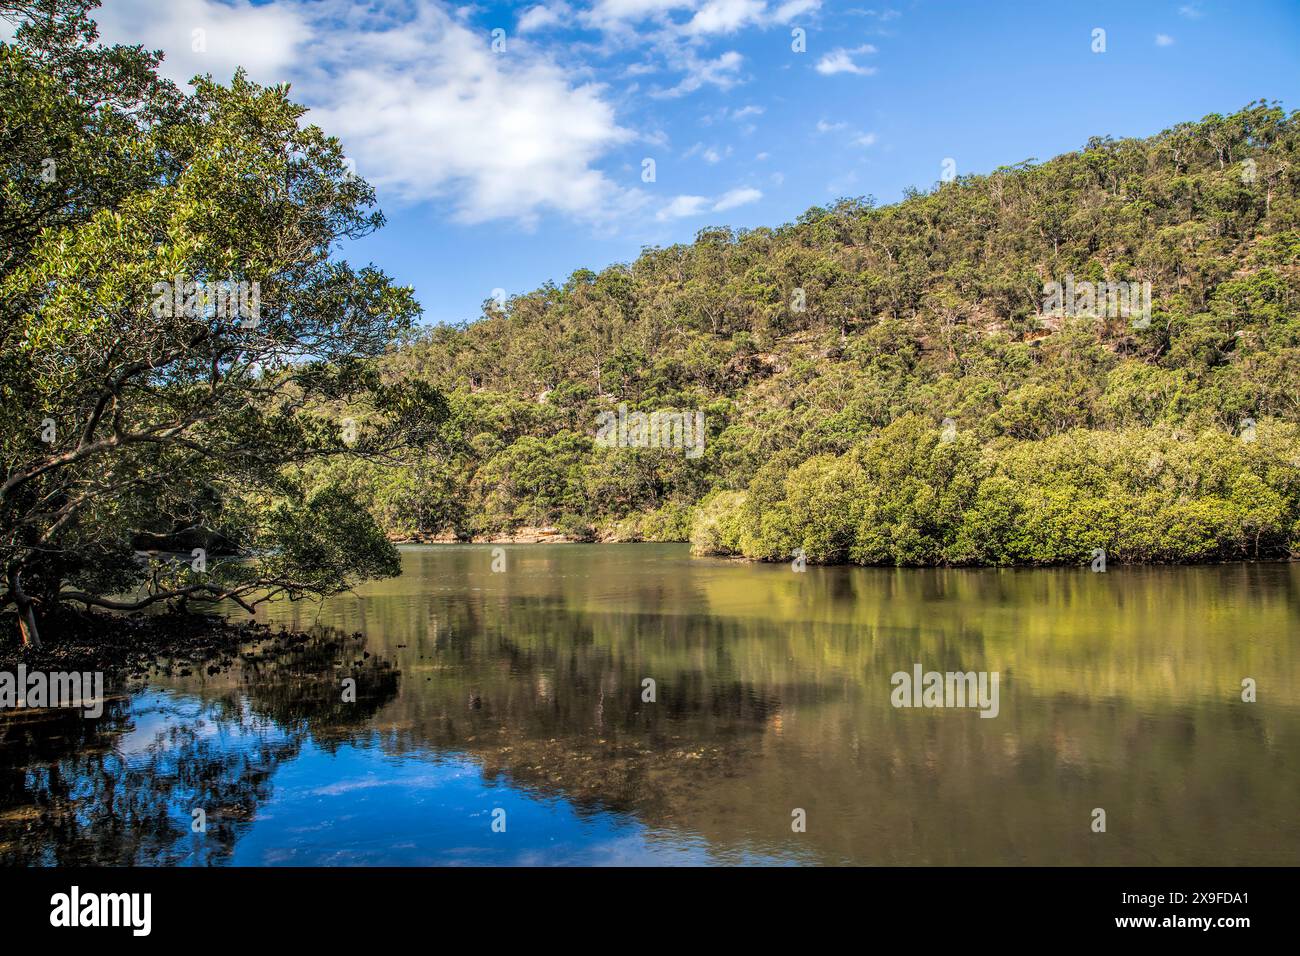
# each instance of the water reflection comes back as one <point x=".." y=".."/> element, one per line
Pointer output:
<point x="524" y="691"/>
<point x="121" y="790"/>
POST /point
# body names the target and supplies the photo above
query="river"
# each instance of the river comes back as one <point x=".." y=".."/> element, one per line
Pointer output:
<point x="630" y="704"/>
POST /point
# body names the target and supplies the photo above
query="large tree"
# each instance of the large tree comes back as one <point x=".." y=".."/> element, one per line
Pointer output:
<point x="177" y="335"/>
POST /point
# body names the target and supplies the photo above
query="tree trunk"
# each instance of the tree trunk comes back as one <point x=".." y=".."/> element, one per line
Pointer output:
<point x="27" y="625"/>
<point x="27" y="630"/>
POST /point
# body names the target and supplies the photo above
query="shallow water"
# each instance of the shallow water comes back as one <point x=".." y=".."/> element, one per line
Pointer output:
<point x="522" y="691"/>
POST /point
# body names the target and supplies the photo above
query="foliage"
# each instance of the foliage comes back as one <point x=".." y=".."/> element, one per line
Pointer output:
<point x="136" y="419"/>
<point x="830" y="418"/>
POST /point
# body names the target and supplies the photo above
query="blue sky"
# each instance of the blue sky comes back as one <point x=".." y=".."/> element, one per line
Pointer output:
<point x="502" y="169"/>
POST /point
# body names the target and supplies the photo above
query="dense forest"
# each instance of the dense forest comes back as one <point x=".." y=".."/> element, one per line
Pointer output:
<point x="890" y="385"/>
<point x="187" y="369"/>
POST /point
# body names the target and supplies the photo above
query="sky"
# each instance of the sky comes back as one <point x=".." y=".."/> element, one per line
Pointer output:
<point x="511" y="143"/>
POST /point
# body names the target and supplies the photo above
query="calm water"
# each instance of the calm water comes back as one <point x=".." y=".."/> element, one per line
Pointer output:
<point x="522" y="691"/>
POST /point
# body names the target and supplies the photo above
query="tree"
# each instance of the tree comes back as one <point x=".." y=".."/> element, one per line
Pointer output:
<point x="177" y="341"/>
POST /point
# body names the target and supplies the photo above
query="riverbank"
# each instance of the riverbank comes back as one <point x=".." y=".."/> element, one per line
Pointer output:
<point x="526" y="535"/>
<point x="555" y="536"/>
<point x="134" y="646"/>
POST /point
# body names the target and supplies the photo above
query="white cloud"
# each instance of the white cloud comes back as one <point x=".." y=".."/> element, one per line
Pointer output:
<point x="858" y="138"/>
<point x="418" y="99"/>
<point x="617" y="15"/>
<point x="266" y="40"/>
<point x="506" y="136"/>
<point x="794" y="8"/>
<point x="678" y="31"/>
<point x="841" y="61"/>
<point x="710" y="154"/>
<point x="544" y="16"/>
<point x="722" y="71"/>
<point x="429" y="112"/>
<point x="725" y="16"/>
<point x="728" y="16"/>
<point x="706" y="17"/>
<point x="1191" y="11"/>
<point x="1164" y="39"/>
<point x="736" y="197"/>
<point x="683" y="207"/>
<point x="636" y="9"/>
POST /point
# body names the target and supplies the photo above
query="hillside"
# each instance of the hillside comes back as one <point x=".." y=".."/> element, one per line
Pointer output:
<point x="886" y="385"/>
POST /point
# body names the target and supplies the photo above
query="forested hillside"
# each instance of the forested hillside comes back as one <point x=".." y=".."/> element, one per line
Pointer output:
<point x="827" y="354"/>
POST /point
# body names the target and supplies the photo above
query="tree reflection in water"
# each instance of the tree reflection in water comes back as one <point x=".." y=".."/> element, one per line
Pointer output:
<point x="524" y="691"/>
<point x="120" y="790"/>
